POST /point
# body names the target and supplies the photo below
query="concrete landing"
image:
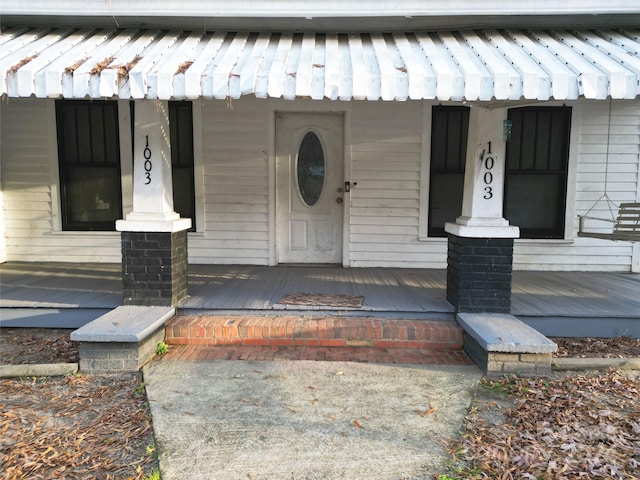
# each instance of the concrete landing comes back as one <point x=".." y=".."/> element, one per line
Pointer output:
<point x="305" y="420"/>
<point x="502" y="344"/>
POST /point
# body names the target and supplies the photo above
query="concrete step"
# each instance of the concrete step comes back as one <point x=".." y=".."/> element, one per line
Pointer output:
<point x="314" y="331"/>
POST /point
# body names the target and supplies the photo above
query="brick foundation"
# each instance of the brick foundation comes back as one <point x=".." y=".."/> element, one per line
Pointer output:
<point x="507" y="363"/>
<point x="479" y="274"/>
<point x="313" y="332"/>
<point x="154" y="268"/>
<point x="354" y="339"/>
<point x="118" y="357"/>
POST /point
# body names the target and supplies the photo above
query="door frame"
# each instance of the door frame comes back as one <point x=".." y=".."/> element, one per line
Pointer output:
<point x="308" y="106"/>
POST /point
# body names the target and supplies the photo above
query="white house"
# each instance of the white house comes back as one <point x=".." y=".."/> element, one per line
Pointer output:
<point x="334" y="132"/>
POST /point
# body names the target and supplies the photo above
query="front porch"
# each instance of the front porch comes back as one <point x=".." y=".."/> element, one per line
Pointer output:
<point x="555" y="303"/>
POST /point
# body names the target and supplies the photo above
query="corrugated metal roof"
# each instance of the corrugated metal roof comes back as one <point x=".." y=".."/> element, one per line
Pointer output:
<point x="456" y="65"/>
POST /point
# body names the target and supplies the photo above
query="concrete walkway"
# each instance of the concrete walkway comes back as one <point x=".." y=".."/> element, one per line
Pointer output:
<point x="305" y="420"/>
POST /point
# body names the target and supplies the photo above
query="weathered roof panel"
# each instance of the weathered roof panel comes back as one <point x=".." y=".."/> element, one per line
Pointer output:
<point x="478" y="65"/>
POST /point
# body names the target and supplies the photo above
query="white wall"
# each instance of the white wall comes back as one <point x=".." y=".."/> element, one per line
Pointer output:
<point x="589" y="155"/>
<point x="386" y="162"/>
<point x="29" y="191"/>
<point x="235" y="140"/>
<point x="385" y="157"/>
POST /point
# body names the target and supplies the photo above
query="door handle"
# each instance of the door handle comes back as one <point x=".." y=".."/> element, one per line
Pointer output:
<point x="339" y="200"/>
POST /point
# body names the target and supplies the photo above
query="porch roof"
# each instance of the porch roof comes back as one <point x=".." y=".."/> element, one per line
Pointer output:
<point x="472" y="65"/>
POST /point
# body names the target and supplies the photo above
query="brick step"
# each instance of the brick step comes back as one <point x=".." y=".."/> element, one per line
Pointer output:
<point x="332" y="332"/>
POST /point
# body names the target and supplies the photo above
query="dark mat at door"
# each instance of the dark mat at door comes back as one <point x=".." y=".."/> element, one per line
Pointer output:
<point x="322" y="299"/>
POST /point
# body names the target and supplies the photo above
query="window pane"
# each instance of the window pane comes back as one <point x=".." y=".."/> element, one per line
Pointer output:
<point x="111" y="140"/>
<point x="534" y="201"/>
<point x="98" y="153"/>
<point x="514" y="145"/>
<point x="543" y="140"/>
<point x="454" y="144"/>
<point x="559" y="149"/>
<point x="92" y="195"/>
<point x="310" y="169"/>
<point x="83" y="132"/>
<point x="67" y="133"/>
<point x="183" y="195"/>
<point x="438" y="139"/>
<point x="528" y="141"/>
<point x="445" y="202"/>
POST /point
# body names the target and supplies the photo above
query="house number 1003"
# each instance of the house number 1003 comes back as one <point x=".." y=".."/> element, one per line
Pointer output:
<point x="147" y="162"/>
<point x="488" y="162"/>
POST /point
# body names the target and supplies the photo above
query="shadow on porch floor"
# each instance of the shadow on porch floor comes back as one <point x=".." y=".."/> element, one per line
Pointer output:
<point x="547" y="300"/>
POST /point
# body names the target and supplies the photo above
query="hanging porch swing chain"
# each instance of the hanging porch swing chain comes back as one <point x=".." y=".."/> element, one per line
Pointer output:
<point x="605" y="195"/>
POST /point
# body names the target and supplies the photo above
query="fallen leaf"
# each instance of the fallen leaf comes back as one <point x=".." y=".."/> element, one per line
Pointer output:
<point x="426" y="413"/>
<point x="356" y="424"/>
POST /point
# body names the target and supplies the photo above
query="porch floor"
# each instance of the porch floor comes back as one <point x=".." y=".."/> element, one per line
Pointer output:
<point x="415" y="293"/>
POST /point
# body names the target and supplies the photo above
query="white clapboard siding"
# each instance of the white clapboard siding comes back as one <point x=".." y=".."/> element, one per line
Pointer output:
<point x="622" y="174"/>
<point x="384" y="160"/>
<point x="236" y="184"/>
<point x="27" y="193"/>
<point x="385" y="163"/>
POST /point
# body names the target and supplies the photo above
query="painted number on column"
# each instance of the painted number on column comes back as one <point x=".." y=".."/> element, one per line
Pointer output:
<point x="488" y="162"/>
<point x="147" y="162"/>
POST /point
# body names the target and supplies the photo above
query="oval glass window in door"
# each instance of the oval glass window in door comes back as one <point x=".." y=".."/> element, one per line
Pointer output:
<point x="311" y="169"/>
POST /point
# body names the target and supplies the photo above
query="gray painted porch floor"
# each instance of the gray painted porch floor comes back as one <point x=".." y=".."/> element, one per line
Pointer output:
<point x="238" y="288"/>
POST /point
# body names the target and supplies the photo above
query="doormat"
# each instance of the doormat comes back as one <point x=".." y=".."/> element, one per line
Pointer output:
<point x="322" y="300"/>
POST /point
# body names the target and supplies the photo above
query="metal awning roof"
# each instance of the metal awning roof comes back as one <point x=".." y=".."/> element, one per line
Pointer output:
<point x="470" y="65"/>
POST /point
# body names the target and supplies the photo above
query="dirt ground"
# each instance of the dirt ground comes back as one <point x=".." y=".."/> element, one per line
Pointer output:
<point x="74" y="427"/>
<point x="572" y="425"/>
<point x="40" y="345"/>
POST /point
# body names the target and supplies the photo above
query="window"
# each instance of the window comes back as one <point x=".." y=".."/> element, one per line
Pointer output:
<point x="449" y="128"/>
<point x="89" y="164"/>
<point x="181" y="127"/>
<point x="310" y="169"/>
<point x="536" y="170"/>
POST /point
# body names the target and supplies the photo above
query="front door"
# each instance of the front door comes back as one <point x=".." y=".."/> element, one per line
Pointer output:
<point x="310" y="183"/>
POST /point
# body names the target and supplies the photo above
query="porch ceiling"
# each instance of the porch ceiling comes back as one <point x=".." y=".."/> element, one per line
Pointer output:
<point x="473" y="65"/>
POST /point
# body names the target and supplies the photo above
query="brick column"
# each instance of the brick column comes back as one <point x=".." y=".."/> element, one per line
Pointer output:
<point x="480" y="246"/>
<point x="479" y="274"/>
<point x="154" y="237"/>
<point x="154" y="268"/>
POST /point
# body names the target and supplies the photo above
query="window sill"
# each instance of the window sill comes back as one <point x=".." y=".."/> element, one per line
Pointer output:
<point x="432" y="239"/>
<point x="544" y="241"/>
<point x="518" y="241"/>
<point x="71" y="233"/>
